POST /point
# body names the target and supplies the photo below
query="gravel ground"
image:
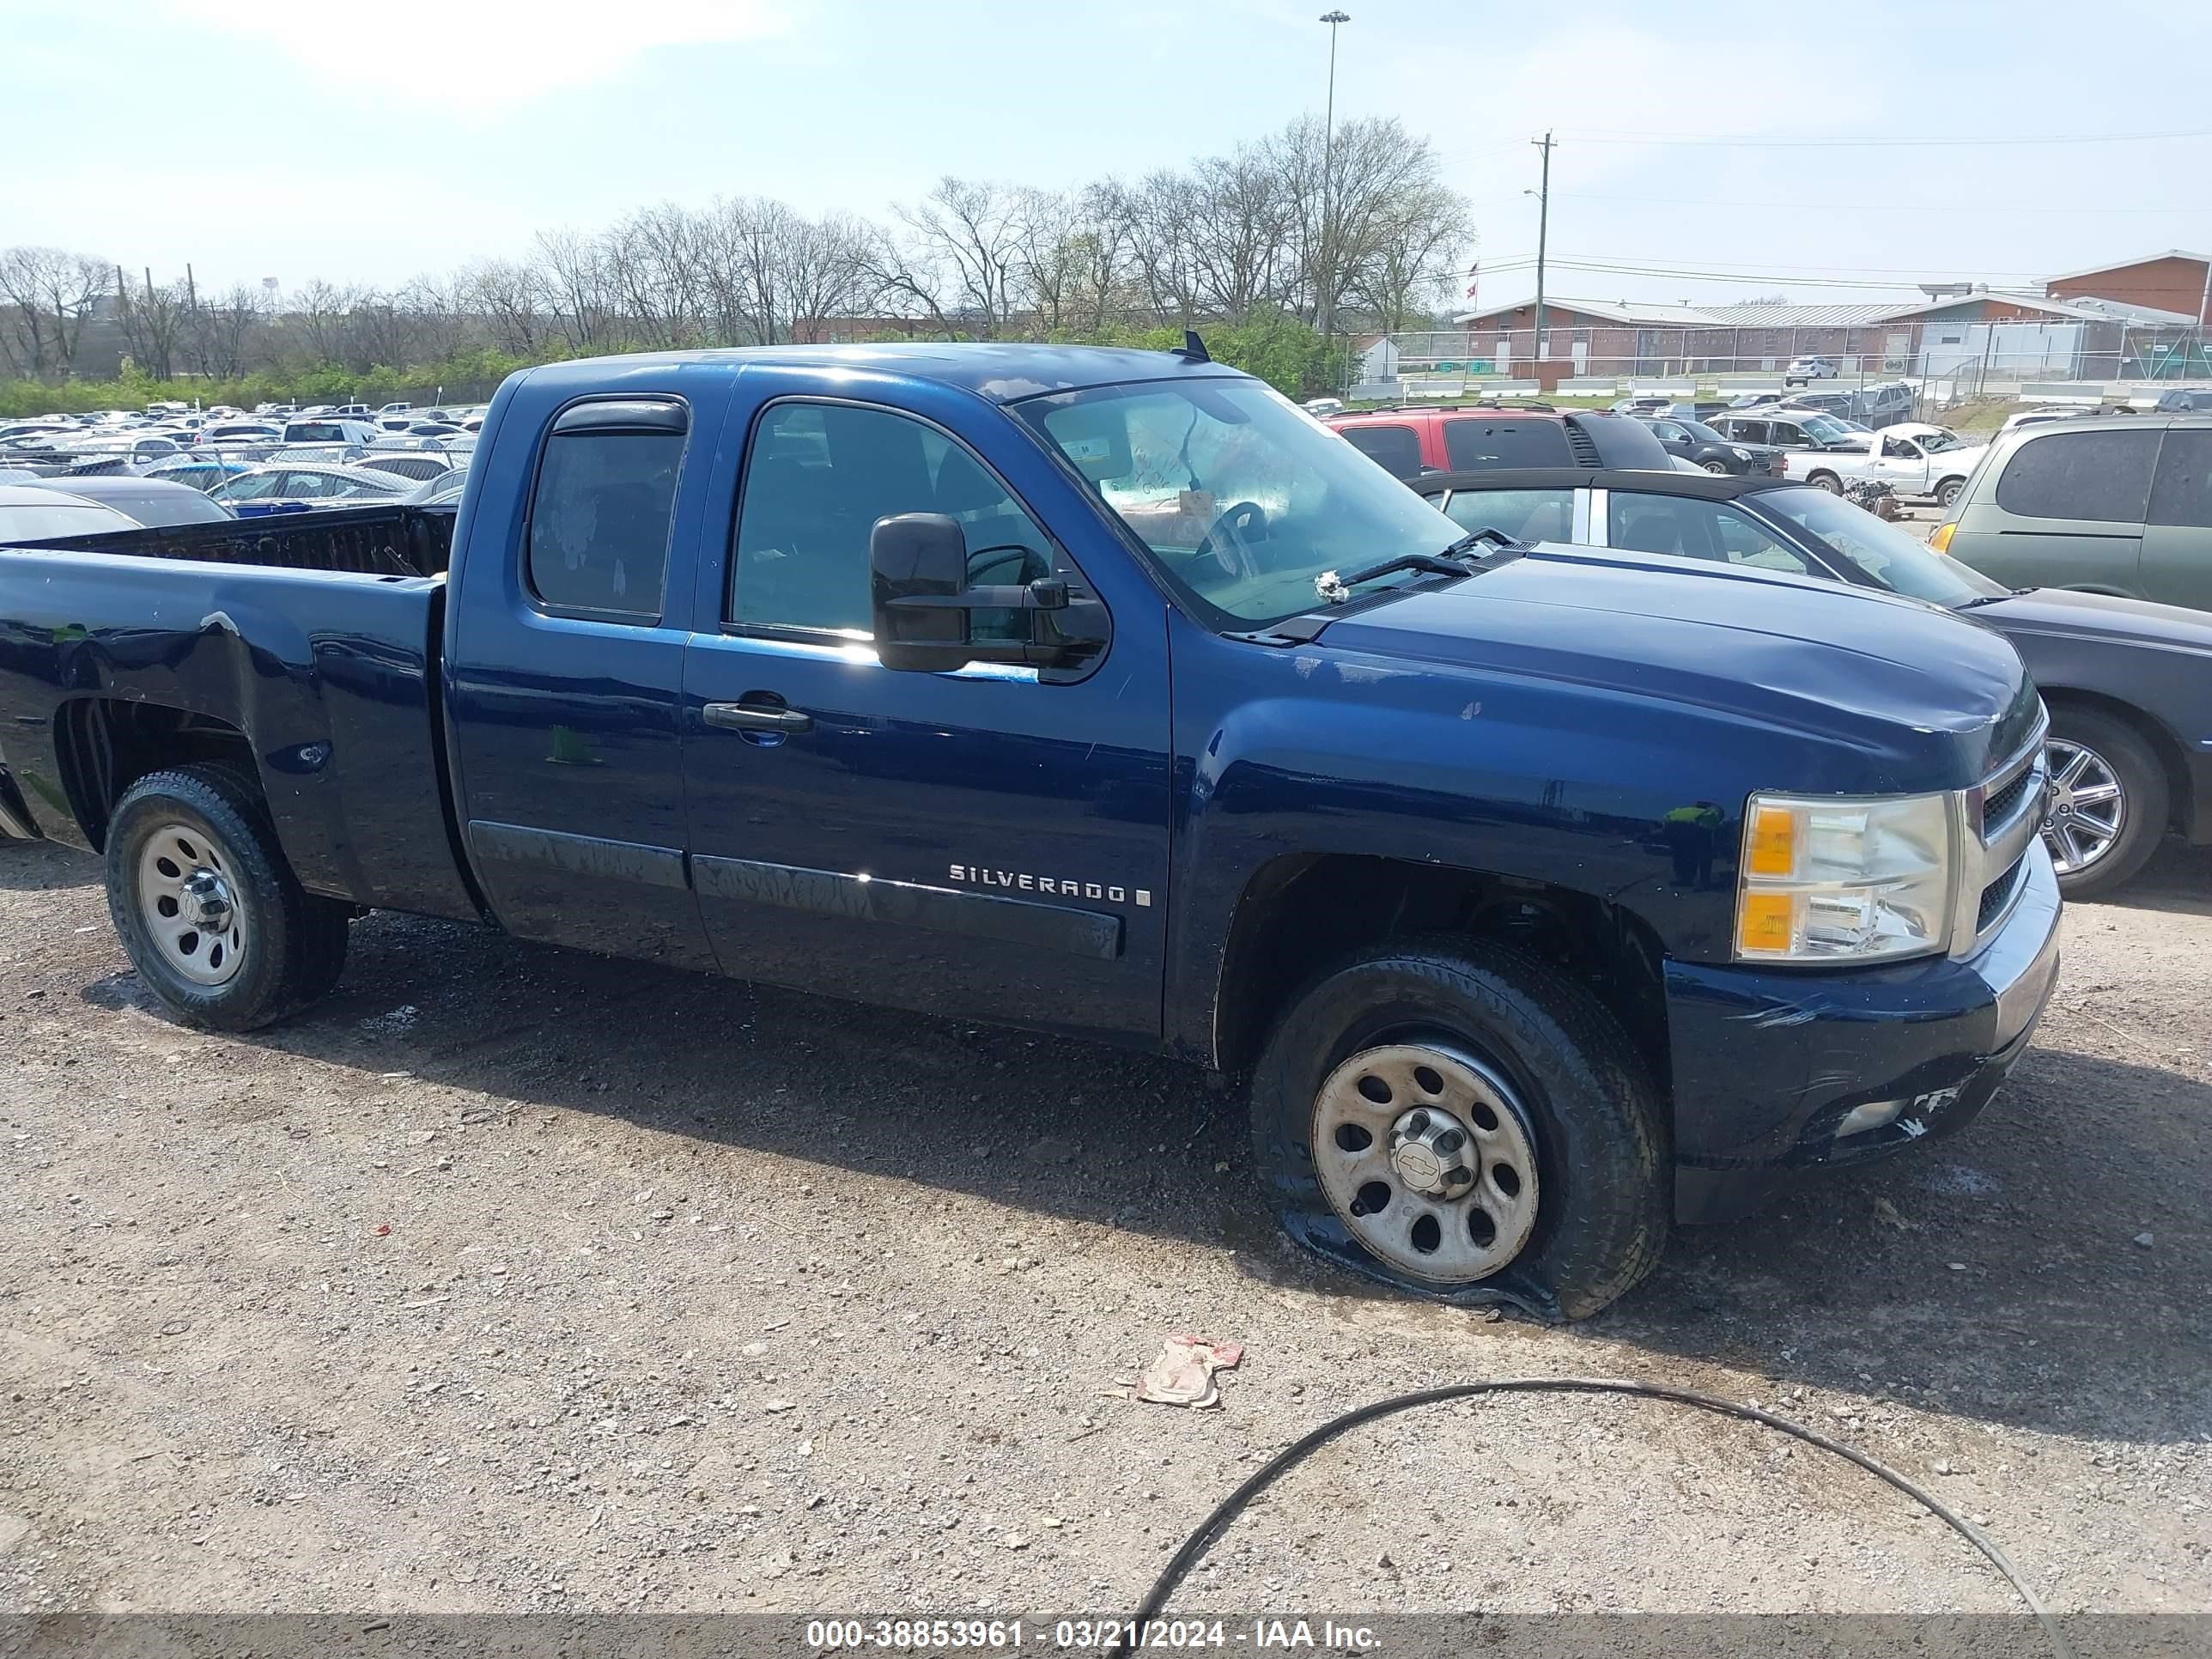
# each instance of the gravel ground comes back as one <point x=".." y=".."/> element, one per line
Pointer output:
<point x="512" y="1279"/>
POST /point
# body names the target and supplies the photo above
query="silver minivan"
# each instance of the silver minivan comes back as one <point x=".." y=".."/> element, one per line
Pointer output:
<point x="2115" y="504"/>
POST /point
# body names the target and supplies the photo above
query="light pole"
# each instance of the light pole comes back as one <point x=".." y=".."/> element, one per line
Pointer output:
<point x="1328" y="186"/>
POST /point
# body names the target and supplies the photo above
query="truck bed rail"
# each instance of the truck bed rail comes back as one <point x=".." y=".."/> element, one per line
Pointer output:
<point x="370" y="541"/>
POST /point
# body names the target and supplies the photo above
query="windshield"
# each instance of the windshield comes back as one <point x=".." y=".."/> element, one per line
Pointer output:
<point x="1879" y="549"/>
<point x="1937" y="442"/>
<point x="1242" y="498"/>
<point x="1827" y="428"/>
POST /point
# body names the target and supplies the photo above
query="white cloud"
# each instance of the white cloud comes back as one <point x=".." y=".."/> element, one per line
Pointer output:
<point x="470" y="55"/>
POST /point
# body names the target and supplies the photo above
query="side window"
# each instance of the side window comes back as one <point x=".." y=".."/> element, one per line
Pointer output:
<point x="2182" y="494"/>
<point x="1472" y="444"/>
<point x="2101" y="476"/>
<point x="600" y="514"/>
<point x="818" y="477"/>
<point x="1396" y="449"/>
<point x="1900" y="449"/>
<point x="1534" y="515"/>
<point x="1695" y="530"/>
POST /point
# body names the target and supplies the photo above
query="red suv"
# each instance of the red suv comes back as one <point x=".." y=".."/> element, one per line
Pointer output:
<point x="1408" y="443"/>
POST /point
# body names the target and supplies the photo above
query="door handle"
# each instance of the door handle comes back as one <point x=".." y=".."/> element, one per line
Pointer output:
<point x="756" y="717"/>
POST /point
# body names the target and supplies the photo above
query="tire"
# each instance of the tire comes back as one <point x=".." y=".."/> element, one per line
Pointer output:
<point x="1827" y="481"/>
<point x="1947" y="493"/>
<point x="190" y="850"/>
<point x="1720" y="467"/>
<point x="1564" y="1083"/>
<point x="2101" y="750"/>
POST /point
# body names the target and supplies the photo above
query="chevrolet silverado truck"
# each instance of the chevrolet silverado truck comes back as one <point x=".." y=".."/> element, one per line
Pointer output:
<point x="1545" y="894"/>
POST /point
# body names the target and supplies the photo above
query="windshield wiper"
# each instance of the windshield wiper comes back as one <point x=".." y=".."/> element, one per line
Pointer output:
<point x="1981" y="600"/>
<point x="1453" y="561"/>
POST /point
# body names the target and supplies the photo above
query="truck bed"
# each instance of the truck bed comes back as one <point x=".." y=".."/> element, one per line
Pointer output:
<point x="370" y="541"/>
<point x="267" y="636"/>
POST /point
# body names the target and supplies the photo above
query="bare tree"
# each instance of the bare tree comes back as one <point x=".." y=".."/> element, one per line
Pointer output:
<point x="1160" y="246"/>
<point x="50" y="294"/>
<point x="578" y="290"/>
<point x="153" y="321"/>
<point x="320" y="317"/>
<point x="221" y="332"/>
<point x="902" y="278"/>
<point x="971" y="233"/>
<point x="509" y="299"/>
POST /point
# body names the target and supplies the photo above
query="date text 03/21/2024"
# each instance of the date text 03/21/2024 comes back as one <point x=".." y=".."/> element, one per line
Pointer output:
<point x="1084" y="1635"/>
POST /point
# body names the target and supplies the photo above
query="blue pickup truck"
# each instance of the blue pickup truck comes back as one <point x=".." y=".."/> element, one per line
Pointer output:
<point x="1544" y="894"/>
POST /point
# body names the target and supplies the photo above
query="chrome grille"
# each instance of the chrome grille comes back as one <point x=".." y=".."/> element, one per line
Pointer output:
<point x="1995" y="869"/>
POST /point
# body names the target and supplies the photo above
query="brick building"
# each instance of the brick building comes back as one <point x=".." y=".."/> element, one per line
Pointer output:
<point x="2173" y="280"/>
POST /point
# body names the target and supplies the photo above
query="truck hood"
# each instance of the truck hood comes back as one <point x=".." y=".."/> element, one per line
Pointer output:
<point x="1934" y="700"/>
<point x="2100" y="616"/>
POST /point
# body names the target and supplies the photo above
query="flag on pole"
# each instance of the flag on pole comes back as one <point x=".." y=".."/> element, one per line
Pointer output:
<point x="1473" y="280"/>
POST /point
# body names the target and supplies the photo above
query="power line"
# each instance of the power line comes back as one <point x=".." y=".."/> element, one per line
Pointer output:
<point x="1924" y="142"/>
<point x="1861" y="207"/>
<point x="1801" y="275"/>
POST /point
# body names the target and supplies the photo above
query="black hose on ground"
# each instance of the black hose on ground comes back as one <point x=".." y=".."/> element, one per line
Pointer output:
<point x="1210" y="1531"/>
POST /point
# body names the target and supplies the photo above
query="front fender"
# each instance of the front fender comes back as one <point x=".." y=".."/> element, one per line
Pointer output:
<point x="1303" y="752"/>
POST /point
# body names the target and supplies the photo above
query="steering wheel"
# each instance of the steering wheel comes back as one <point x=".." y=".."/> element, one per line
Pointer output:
<point x="1246" y="523"/>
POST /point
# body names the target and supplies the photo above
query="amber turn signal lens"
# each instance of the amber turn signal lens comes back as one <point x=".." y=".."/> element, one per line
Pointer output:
<point x="1763" y="924"/>
<point x="1773" y="841"/>
<point x="1941" y="541"/>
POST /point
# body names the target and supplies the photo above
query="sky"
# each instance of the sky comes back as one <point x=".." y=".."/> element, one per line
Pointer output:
<point x="1856" y="145"/>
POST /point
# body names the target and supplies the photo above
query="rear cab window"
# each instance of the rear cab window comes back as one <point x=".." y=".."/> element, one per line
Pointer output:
<point x="1473" y="443"/>
<point x="1396" y="449"/>
<point x="597" y="541"/>
<point x="2094" y="476"/>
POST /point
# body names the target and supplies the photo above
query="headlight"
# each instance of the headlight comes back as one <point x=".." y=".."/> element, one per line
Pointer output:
<point x="1845" y="880"/>
<point x="1740" y="453"/>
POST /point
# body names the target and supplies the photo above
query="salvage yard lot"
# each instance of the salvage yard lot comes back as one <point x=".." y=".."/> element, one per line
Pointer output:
<point x="509" y="1279"/>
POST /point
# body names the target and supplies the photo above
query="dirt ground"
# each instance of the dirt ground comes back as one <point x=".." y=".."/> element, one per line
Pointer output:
<point x="511" y="1280"/>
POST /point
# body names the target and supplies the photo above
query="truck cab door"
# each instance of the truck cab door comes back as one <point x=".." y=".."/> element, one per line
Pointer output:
<point x="1898" y="463"/>
<point x="564" y="676"/>
<point x="990" y="842"/>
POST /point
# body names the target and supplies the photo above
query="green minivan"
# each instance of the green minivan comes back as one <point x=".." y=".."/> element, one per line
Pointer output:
<point x="2111" y="504"/>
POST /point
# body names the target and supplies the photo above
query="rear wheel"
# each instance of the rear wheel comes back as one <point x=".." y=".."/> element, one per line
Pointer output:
<point x="2108" y="804"/>
<point x="203" y="902"/>
<point x="1460" y="1122"/>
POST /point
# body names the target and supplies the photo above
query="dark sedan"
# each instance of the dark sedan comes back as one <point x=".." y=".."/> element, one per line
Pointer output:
<point x="1695" y="442"/>
<point x="2129" y="683"/>
<point x="155" y="503"/>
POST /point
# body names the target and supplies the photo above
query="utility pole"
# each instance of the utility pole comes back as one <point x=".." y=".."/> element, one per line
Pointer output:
<point x="1328" y="186"/>
<point x="1543" y="228"/>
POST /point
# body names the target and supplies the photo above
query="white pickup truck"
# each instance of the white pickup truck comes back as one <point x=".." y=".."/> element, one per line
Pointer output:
<point x="1912" y="459"/>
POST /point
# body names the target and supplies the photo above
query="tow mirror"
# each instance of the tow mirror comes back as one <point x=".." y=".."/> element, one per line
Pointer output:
<point x="924" y="608"/>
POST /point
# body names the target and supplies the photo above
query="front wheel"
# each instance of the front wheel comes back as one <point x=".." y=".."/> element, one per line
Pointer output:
<point x="1947" y="493"/>
<point x="206" y="906"/>
<point x="1460" y="1122"/>
<point x="2107" y="808"/>
<point x="1827" y="481"/>
<point x="1714" y="467"/>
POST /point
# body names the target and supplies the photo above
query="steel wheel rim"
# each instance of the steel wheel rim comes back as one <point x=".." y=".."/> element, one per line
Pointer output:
<point x="1833" y="486"/>
<point x="188" y="904"/>
<point x="2085" y="812"/>
<point x="1716" y="467"/>
<point x="1383" y="1125"/>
